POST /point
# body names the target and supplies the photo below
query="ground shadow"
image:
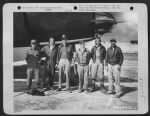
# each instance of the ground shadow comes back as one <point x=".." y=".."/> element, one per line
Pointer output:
<point x="123" y="79"/>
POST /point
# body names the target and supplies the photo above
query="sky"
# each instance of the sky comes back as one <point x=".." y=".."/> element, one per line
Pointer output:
<point x="125" y="31"/>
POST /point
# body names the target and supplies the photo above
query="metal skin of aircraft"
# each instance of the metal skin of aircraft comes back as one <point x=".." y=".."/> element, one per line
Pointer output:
<point x="77" y="26"/>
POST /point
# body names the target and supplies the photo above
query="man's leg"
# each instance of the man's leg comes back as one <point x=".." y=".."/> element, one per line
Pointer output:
<point x="93" y="76"/>
<point x="36" y="74"/>
<point x="67" y="73"/>
<point x="47" y="78"/>
<point x="29" y="77"/>
<point x="86" y="75"/>
<point x="60" y="75"/>
<point x="80" y="73"/>
<point x="51" y="79"/>
<point x="117" y="80"/>
<point x="42" y="76"/>
<point x="101" y="77"/>
<point x="110" y="80"/>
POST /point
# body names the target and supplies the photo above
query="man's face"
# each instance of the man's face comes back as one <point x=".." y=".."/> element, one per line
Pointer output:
<point x="113" y="44"/>
<point x="82" y="45"/>
<point x="97" y="42"/>
<point x="33" y="45"/>
<point x="64" y="42"/>
<point x="51" y="41"/>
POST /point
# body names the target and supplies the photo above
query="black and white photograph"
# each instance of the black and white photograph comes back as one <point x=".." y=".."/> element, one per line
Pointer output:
<point x="76" y="61"/>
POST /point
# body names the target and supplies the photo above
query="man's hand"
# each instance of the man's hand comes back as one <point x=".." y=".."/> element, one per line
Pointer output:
<point x="119" y="67"/>
<point x="43" y="58"/>
<point x="56" y="66"/>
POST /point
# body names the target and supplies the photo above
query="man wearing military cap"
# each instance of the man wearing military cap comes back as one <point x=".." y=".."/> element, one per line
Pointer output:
<point x="33" y="59"/>
<point x="64" y="58"/>
<point x="114" y="60"/>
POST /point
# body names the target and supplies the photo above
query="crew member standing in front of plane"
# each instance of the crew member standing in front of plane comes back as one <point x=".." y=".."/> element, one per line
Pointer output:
<point x="64" y="59"/>
<point x="82" y="56"/>
<point x="98" y="54"/>
<point x="114" y="60"/>
<point x="33" y="59"/>
<point x="50" y="53"/>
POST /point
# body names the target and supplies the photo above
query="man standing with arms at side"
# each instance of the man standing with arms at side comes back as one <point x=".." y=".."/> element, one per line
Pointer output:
<point x="98" y="54"/>
<point x="64" y="59"/>
<point x="50" y="52"/>
<point x="83" y="57"/>
<point x="114" y="60"/>
<point x="33" y="59"/>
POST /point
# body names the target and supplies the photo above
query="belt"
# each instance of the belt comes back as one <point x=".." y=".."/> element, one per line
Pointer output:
<point x="83" y="64"/>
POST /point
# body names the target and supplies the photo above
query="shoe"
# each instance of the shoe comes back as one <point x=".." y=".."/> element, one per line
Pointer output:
<point x="86" y="91"/>
<point x="110" y="92"/>
<point x="80" y="91"/>
<point x="44" y="88"/>
<point x="67" y="89"/>
<point x="51" y="88"/>
<point x="91" y="90"/>
<point x="118" y="95"/>
<point x="103" y="90"/>
<point x="59" y="89"/>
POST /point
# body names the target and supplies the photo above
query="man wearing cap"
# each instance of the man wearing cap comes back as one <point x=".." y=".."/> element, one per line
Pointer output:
<point x="114" y="60"/>
<point x="64" y="58"/>
<point x="82" y="56"/>
<point x="98" y="54"/>
<point x="32" y="59"/>
<point x="49" y="53"/>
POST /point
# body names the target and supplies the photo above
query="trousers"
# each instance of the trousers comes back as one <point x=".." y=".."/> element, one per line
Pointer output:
<point x="114" y="77"/>
<point x="64" y="69"/>
<point x="97" y="70"/>
<point x="33" y="72"/>
<point x="83" y="72"/>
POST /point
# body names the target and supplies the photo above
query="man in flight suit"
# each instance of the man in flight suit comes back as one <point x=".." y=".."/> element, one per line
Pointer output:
<point x="50" y="53"/>
<point x="98" y="54"/>
<point x="33" y="59"/>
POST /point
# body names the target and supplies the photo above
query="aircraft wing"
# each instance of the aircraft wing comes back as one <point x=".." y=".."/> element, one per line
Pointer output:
<point x="70" y="41"/>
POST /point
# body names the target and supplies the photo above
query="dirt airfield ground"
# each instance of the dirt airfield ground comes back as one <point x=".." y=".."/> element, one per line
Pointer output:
<point x="82" y="101"/>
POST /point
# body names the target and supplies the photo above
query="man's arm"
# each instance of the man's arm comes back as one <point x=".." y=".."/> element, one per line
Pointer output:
<point x="42" y="52"/>
<point x="106" y="58"/>
<point x="121" y="57"/>
<point x="27" y="57"/>
<point x="58" y="55"/>
<point x="92" y="52"/>
<point x="89" y="55"/>
<point x="104" y="53"/>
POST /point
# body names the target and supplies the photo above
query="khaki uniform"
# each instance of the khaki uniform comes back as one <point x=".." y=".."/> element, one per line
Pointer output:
<point x="64" y="69"/>
<point x="64" y="57"/>
<point x="83" y="59"/>
<point x="33" y="58"/>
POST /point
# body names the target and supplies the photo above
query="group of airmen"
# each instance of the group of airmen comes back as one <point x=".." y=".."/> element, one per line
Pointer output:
<point x="61" y="57"/>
